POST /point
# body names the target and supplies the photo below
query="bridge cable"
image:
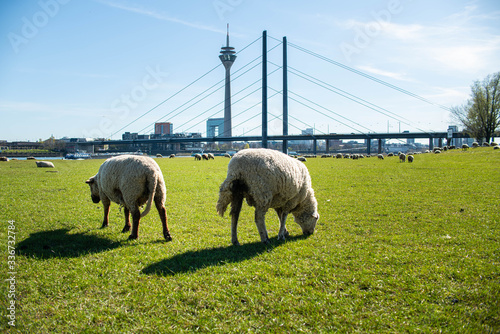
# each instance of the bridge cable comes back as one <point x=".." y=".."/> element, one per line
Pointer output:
<point x="382" y="82"/>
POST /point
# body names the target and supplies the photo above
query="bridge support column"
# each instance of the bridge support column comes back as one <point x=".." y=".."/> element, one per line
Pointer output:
<point x="327" y="146"/>
<point x="431" y="144"/>
<point x="379" y="146"/>
<point x="440" y="142"/>
<point x="368" y="146"/>
<point x="314" y="146"/>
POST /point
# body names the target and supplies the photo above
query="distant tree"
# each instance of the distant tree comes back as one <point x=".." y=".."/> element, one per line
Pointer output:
<point x="480" y="115"/>
<point x="247" y="145"/>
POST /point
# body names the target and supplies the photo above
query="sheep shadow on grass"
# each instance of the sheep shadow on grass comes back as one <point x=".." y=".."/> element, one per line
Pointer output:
<point x="61" y="244"/>
<point x="195" y="260"/>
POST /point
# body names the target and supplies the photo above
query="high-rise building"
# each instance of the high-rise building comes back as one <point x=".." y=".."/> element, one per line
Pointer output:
<point x="215" y="127"/>
<point x="227" y="58"/>
<point x="164" y="129"/>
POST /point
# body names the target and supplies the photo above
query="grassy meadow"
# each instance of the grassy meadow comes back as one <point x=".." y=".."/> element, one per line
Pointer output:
<point x="399" y="247"/>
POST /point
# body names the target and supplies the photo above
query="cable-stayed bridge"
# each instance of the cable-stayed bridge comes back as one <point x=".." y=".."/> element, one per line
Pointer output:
<point x="258" y="109"/>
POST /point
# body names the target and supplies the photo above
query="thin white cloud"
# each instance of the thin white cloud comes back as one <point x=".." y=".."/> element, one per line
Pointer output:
<point x="376" y="71"/>
<point x="161" y="16"/>
<point x="462" y="41"/>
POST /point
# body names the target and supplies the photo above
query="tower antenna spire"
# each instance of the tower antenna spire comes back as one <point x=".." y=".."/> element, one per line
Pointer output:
<point x="227" y="37"/>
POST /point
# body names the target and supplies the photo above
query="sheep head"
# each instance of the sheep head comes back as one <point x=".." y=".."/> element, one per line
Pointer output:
<point x="94" y="190"/>
<point x="307" y="214"/>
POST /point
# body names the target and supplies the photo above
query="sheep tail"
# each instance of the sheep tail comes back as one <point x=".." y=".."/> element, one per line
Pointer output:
<point x="151" y="185"/>
<point x="225" y="197"/>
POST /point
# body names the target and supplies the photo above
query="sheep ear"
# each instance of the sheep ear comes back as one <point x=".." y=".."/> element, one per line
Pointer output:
<point x="90" y="181"/>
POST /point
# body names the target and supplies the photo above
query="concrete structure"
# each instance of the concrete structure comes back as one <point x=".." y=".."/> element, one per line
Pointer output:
<point x="215" y="127"/>
<point x="227" y="58"/>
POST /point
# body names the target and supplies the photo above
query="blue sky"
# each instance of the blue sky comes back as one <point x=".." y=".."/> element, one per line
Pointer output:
<point x="88" y="68"/>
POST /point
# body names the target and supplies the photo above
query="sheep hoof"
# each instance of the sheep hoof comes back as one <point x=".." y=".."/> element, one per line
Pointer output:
<point x="126" y="229"/>
<point x="167" y="237"/>
<point x="132" y="237"/>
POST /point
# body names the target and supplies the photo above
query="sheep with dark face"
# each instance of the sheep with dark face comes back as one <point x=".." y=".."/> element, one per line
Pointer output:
<point x="130" y="181"/>
<point x="268" y="179"/>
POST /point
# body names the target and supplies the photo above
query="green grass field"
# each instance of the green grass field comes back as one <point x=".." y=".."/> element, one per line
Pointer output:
<point x="399" y="248"/>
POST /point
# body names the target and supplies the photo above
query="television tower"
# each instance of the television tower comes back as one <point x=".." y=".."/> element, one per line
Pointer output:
<point x="227" y="58"/>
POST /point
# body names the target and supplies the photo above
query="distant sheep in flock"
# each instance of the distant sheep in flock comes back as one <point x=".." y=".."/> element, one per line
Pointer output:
<point x="268" y="179"/>
<point x="211" y="156"/>
<point x="4" y="159"/>
<point x="171" y="156"/>
<point x="410" y="158"/>
<point x="380" y="156"/>
<point x="197" y="157"/>
<point x="130" y="181"/>
<point x="339" y="156"/>
<point x="475" y="144"/>
<point x="44" y="164"/>
<point x="303" y="159"/>
<point x="204" y="156"/>
<point x="158" y="155"/>
<point x="402" y="157"/>
<point x="465" y="147"/>
<point x="227" y="155"/>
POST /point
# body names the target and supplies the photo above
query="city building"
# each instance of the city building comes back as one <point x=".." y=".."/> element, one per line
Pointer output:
<point x="164" y="129"/>
<point x="215" y="127"/>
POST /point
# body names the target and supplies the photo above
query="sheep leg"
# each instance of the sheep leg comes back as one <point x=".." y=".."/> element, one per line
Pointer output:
<point x="236" y="205"/>
<point x="127" y="226"/>
<point x="136" y="216"/>
<point x="283" y="233"/>
<point x="163" y="216"/>
<point x="106" y="203"/>
<point x="260" y="221"/>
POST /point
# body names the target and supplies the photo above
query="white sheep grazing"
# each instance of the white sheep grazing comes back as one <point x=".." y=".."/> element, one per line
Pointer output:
<point x="402" y="157"/>
<point x="211" y="156"/>
<point x="465" y="147"/>
<point x="197" y="156"/>
<point x="268" y="179"/>
<point x="130" y="181"/>
<point x="204" y="156"/>
<point x="44" y="164"/>
<point x="410" y="158"/>
<point x="380" y="156"/>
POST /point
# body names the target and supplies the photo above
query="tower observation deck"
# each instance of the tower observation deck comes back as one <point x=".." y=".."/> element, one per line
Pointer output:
<point x="227" y="58"/>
